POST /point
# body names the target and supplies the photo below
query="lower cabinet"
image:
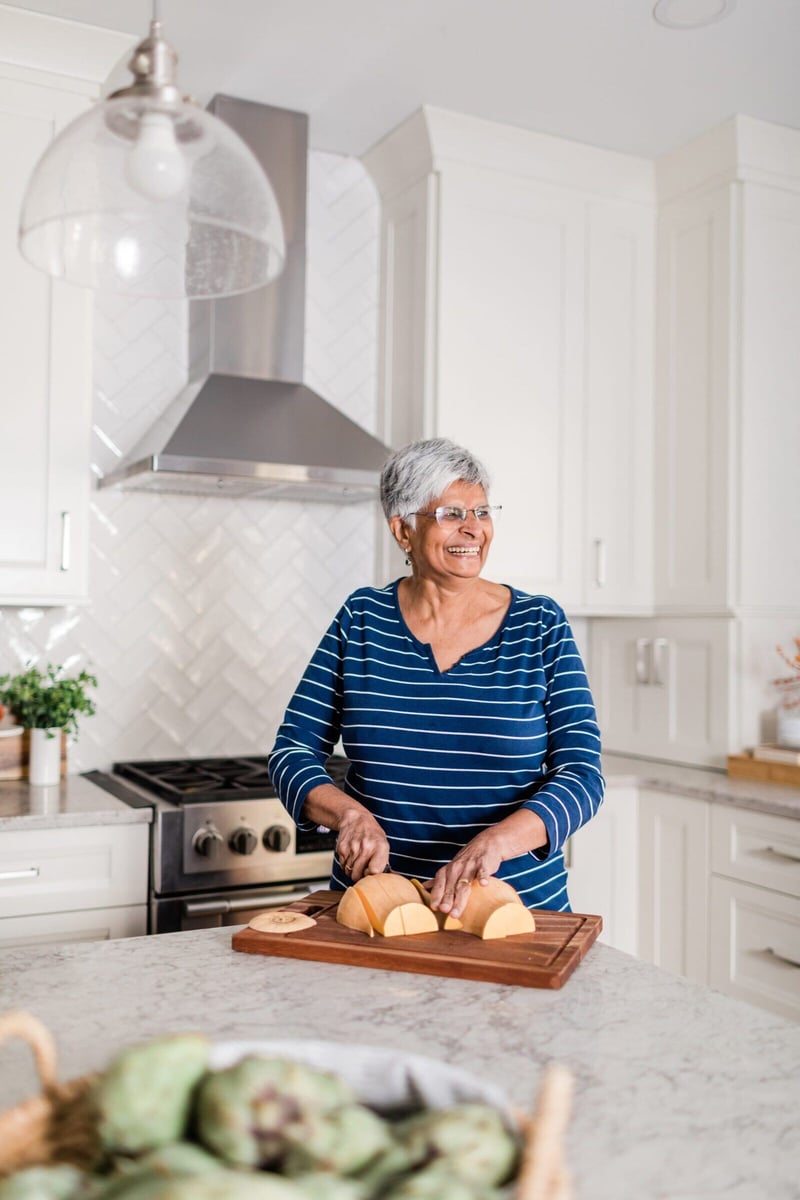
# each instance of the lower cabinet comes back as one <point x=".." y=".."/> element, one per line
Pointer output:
<point x="755" y="908"/>
<point x="673" y="873"/>
<point x="76" y="884"/>
<point x="602" y="864"/>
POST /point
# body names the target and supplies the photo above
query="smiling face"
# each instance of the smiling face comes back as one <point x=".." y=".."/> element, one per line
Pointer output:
<point x="455" y="549"/>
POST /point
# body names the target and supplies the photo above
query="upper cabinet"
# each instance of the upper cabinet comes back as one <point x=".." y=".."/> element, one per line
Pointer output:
<point x="517" y="319"/>
<point x="45" y="326"/>
<point x="727" y="364"/>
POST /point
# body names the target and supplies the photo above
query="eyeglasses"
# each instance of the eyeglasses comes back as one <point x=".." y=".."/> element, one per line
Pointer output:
<point x="449" y="514"/>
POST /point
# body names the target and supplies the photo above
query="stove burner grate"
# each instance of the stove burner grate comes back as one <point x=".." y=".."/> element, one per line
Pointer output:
<point x="198" y="780"/>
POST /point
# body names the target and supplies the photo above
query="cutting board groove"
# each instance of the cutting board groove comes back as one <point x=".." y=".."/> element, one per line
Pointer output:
<point x="543" y="959"/>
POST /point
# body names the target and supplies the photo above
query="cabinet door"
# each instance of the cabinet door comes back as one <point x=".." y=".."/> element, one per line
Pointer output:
<point x="45" y="379"/>
<point x="96" y="925"/>
<point x="602" y="861"/>
<point x="693" y="455"/>
<point x="510" y="364"/>
<point x="661" y="688"/>
<point x="618" y="423"/>
<point x="673" y="880"/>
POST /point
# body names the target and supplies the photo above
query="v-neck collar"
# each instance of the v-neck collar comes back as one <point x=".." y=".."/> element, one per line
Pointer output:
<point x="425" y="648"/>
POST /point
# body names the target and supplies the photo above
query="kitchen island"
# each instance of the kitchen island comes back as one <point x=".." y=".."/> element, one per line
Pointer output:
<point x="680" y="1092"/>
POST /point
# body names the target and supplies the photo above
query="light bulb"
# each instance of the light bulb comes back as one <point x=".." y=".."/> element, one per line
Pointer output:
<point x="155" y="166"/>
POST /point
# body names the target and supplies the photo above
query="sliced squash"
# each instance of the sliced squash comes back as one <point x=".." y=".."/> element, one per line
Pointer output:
<point x="444" y="920"/>
<point x="351" y="912"/>
<point x="281" y="920"/>
<point x="494" y="910"/>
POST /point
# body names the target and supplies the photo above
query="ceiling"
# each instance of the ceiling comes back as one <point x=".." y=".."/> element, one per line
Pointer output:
<point x="598" y="71"/>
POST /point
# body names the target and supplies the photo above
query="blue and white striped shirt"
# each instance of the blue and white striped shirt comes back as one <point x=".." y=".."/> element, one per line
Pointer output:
<point x="437" y="756"/>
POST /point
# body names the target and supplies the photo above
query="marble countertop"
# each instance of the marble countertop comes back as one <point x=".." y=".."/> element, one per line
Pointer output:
<point x="703" y="783"/>
<point x="78" y="801"/>
<point x="73" y="801"/>
<point x="681" y="1093"/>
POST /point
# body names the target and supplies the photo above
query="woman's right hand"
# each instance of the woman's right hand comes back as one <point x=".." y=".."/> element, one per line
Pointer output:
<point x="361" y="846"/>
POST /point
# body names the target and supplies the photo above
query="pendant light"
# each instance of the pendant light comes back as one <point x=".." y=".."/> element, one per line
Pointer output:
<point x="147" y="194"/>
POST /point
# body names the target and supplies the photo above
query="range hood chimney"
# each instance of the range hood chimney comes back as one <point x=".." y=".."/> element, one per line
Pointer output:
<point x="246" y="425"/>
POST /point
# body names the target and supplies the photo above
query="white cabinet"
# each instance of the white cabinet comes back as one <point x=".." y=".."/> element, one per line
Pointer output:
<point x="603" y="868"/>
<point x="517" y="318"/>
<point x="728" y="357"/>
<point x="674" y="880"/>
<point x="661" y="687"/>
<point x="45" y="326"/>
<point x="755" y="908"/>
<point x="74" y="883"/>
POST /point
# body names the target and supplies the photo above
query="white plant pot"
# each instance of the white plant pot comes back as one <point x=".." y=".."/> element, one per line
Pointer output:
<point x="788" y="728"/>
<point x="45" y="760"/>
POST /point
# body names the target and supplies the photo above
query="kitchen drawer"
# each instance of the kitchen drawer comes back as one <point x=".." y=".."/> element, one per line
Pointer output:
<point x="62" y="870"/>
<point x="756" y="848"/>
<point x="95" y="925"/>
<point x="755" y="946"/>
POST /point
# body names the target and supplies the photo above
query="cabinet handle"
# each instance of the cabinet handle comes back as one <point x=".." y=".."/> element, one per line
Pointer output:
<point x="780" y="854"/>
<point x="600" y="562"/>
<point x="25" y="873"/>
<point x="659" y="650"/>
<point x="66" y="531"/>
<point x="781" y="957"/>
<point x="642" y="663"/>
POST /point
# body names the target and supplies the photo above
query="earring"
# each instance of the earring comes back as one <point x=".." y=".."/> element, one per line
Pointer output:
<point x="408" y="556"/>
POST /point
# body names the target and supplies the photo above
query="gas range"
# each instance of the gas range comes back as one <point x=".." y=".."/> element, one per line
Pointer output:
<point x="221" y="842"/>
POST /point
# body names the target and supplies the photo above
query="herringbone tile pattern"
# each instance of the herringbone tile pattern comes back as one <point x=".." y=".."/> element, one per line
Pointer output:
<point x="202" y="611"/>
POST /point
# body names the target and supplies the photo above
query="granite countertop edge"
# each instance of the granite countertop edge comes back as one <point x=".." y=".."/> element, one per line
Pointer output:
<point x="77" y="801"/>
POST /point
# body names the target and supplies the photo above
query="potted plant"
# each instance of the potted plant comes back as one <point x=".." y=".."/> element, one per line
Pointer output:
<point x="46" y="703"/>
<point x="788" y="727"/>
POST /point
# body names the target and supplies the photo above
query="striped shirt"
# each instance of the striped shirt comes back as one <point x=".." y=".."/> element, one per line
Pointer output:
<point x="438" y="756"/>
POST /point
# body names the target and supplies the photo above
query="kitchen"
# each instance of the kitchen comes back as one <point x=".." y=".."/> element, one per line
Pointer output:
<point x="199" y="613"/>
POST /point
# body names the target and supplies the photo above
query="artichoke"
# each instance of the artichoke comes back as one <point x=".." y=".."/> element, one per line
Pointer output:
<point x="250" y="1114"/>
<point x="43" y="1183"/>
<point x="144" y="1098"/>
<point x="471" y="1137"/>
<point x="341" y="1142"/>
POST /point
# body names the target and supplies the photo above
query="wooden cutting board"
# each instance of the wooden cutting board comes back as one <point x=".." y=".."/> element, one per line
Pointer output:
<point x="543" y="959"/>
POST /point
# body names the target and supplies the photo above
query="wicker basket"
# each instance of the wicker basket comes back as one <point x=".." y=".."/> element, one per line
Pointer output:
<point x="57" y="1126"/>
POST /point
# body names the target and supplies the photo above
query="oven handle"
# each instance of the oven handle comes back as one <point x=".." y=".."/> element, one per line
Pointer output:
<point x="213" y="908"/>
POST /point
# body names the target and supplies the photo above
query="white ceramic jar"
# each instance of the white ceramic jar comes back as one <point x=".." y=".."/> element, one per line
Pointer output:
<point x="788" y="727"/>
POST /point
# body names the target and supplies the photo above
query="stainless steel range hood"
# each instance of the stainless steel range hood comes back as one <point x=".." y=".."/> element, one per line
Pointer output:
<point x="246" y="425"/>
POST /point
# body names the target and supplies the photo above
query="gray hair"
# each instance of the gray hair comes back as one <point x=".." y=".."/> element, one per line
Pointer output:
<point x="416" y="474"/>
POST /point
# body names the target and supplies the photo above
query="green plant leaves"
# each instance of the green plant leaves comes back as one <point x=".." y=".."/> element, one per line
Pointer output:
<point x="41" y="700"/>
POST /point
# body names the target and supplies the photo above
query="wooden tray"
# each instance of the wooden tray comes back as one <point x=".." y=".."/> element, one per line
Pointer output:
<point x="744" y="766"/>
<point x="543" y="959"/>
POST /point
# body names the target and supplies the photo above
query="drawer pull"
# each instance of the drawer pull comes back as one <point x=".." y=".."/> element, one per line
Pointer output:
<point x="26" y="873"/>
<point x="782" y="957"/>
<point x="781" y="854"/>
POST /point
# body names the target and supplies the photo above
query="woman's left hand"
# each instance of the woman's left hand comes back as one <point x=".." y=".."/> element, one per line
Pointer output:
<point x="479" y="860"/>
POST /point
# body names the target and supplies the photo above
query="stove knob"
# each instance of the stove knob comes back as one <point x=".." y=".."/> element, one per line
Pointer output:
<point x="243" y="840"/>
<point x="208" y="842"/>
<point x="277" y="837"/>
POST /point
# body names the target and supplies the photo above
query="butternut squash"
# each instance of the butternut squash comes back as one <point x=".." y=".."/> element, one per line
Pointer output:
<point x="351" y="912"/>
<point x="388" y="904"/>
<point x="494" y="910"/>
<point x="444" y="920"/>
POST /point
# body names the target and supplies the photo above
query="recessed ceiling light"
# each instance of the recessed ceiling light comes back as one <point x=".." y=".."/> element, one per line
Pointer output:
<point x="691" y="14"/>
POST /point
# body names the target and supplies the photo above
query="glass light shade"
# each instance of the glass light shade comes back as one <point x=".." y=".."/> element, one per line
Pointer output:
<point x="148" y="198"/>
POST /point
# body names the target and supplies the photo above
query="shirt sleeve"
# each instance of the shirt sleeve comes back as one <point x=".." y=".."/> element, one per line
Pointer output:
<point x="572" y="788"/>
<point x="311" y="724"/>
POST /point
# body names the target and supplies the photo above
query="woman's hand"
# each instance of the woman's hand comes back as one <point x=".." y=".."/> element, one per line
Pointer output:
<point x="519" y="833"/>
<point x="361" y="847"/>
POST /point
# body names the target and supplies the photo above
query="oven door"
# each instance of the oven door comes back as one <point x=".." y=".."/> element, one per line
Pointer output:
<point x="211" y="910"/>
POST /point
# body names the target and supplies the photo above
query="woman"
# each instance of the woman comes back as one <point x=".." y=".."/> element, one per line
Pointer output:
<point x="462" y="705"/>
